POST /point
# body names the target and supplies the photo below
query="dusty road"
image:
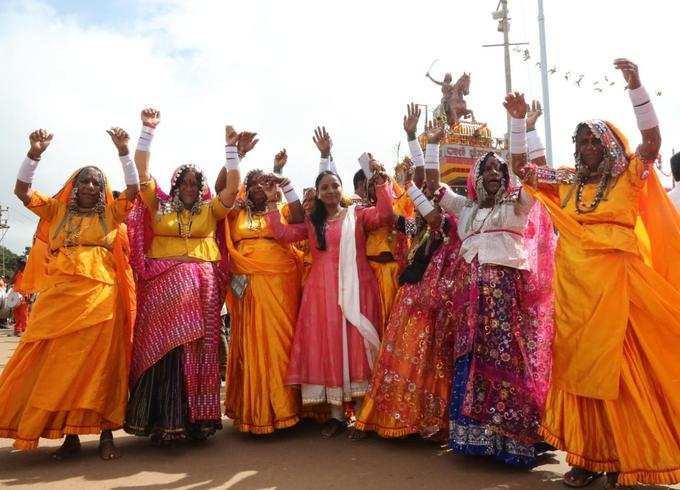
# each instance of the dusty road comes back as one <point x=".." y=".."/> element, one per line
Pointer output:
<point x="294" y="459"/>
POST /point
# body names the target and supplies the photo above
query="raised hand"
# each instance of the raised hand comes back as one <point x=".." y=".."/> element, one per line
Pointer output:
<point x="151" y="117"/>
<point x="379" y="176"/>
<point x="271" y="184"/>
<point x="516" y="105"/>
<point x="280" y="160"/>
<point x="533" y="114"/>
<point x="39" y="140"/>
<point x="629" y="71"/>
<point x="407" y="165"/>
<point x="120" y="138"/>
<point x="323" y="141"/>
<point x="435" y="132"/>
<point x="230" y="136"/>
<point x="411" y="120"/>
<point x="246" y="142"/>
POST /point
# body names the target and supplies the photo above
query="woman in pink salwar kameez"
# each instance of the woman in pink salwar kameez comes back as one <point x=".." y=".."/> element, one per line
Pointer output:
<point x="336" y="339"/>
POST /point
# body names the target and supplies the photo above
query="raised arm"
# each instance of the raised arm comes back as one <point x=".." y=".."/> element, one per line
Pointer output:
<point x="382" y="213"/>
<point x="435" y="81"/>
<point x="273" y="186"/>
<point x="120" y="139"/>
<point x="324" y="143"/>
<point x="535" y="148"/>
<point x="411" y="127"/>
<point x="280" y="160"/>
<point x="435" y="133"/>
<point x="237" y="145"/>
<point x="517" y="108"/>
<point x="150" y="119"/>
<point x="39" y="141"/>
<point x="432" y="216"/>
<point x="648" y="124"/>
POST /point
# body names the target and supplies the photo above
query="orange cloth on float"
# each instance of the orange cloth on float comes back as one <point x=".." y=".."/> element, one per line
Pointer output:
<point x="167" y="242"/>
<point x="262" y="326"/>
<point x="614" y="403"/>
<point x="69" y="373"/>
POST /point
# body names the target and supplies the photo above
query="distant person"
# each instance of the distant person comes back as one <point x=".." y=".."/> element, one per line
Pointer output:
<point x="674" y="194"/>
<point x="20" y="312"/>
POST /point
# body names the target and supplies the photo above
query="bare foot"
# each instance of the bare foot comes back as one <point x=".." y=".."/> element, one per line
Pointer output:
<point x="108" y="450"/>
<point x="70" y="447"/>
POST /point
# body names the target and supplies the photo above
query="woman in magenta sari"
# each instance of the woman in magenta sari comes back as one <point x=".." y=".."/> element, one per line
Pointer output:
<point x="181" y="276"/>
<point x="336" y="340"/>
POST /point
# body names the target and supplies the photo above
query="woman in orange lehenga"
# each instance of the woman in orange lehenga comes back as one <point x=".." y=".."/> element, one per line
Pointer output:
<point x="411" y="385"/>
<point x="263" y="303"/>
<point x="614" y="404"/>
<point x="69" y="374"/>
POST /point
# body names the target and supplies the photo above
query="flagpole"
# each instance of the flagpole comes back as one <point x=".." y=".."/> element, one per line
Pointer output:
<point x="544" y="83"/>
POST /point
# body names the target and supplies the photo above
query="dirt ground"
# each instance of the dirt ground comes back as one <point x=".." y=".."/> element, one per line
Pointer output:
<point x="293" y="459"/>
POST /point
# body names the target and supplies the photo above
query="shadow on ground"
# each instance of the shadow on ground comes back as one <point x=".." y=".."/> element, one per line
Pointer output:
<point x="293" y="459"/>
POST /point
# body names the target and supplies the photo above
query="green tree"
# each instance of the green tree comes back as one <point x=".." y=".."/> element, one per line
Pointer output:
<point x="9" y="260"/>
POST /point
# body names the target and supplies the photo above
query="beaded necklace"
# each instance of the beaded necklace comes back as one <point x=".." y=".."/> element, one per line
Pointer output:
<point x="599" y="195"/>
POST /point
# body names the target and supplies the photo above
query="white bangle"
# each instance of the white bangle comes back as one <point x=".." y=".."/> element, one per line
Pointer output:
<point x="145" y="138"/>
<point x="643" y="108"/>
<point x="535" y="147"/>
<point x="27" y="170"/>
<point x="289" y="193"/>
<point x="325" y="165"/>
<point x="518" y="136"/>
<point x="129" y="170"/>
<point x="432" y="156"/>
<point x="232" y="158"/>
<point x="423" y="205"/>
<point x="417" y="156"/>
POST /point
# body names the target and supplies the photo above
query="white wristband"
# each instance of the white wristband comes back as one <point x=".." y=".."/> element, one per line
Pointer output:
<point x="27" y="170"/>
<point x="325" y="165"/>
<point x="643" y="108"/>
<point x="289" y="193"/>
<point x="535" y="147"/>
<point x="130" y="170"/>
<point x="422" y="203"/>
<point x="145" y="138"/>
<point x="232" y="161"/>
<point x="518" y="136"/>
<point x="432" y="156"/>
<point x="417" y="156"/>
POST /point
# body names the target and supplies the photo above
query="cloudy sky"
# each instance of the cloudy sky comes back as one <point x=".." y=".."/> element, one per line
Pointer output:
<point x="77" y="67"/>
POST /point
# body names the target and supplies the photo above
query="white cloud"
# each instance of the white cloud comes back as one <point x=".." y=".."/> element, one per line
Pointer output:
<point x="281" y="68"/>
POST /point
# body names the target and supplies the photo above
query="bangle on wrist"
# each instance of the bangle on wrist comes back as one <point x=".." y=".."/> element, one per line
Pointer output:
<point x="27" y="170"/>
<point x="432" y="156"/>
<point x="643" y="108"/>
<point x="232" y="157"/>
<point x="289" y="193"/>
<point x="145" y="138"/>
<point x="129" y="170"/>
<point x="518" y="136"/>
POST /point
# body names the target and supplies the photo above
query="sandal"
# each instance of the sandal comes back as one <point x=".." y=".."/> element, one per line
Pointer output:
<point x="579" y="477"/>
<point x="355" y="434"/>
<point x="332" y="428"/>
